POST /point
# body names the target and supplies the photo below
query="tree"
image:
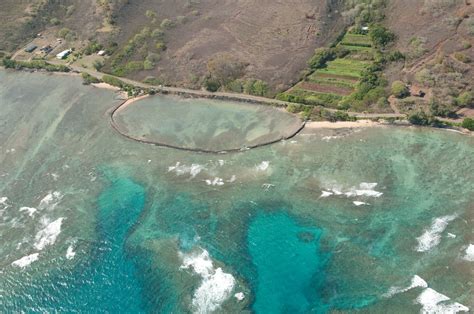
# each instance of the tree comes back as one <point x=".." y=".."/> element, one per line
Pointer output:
<point x="399" y="89"/>
<point x="225" y="69"/>
<point x="320" y="57"/>
<point x="466" y="99"/>
<point x="468" y="123"/>
<point x="381" y="36"/>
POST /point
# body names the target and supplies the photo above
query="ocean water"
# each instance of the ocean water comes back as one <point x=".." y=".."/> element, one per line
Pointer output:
<point x="375" y="220"/>
<point x="204" y="124"/>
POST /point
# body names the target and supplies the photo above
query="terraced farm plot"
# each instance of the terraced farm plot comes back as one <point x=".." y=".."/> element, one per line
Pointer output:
<point x="356" y="40"/>
<point x="328" y="85"/>
<point x="346" y="67"/>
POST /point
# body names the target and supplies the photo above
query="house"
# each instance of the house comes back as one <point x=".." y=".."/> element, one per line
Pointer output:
<point x="63" y="54"/>
<point x="30" y="48"/>
<point x="101" y="53"/>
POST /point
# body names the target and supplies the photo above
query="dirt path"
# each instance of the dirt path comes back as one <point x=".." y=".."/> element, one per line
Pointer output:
<point x="222" y="95"/>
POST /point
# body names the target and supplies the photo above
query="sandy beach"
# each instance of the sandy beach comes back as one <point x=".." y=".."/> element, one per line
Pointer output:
<point x="342" y="124"/>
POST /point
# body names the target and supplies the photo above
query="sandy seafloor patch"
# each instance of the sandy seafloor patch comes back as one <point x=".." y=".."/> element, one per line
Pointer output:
<point x="375" y="219"/>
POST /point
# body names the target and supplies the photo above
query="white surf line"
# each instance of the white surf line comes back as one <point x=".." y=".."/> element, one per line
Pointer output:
<point x="216" y="285"/>
<point x="26" y="260"/>
<point x="432" y="236"/>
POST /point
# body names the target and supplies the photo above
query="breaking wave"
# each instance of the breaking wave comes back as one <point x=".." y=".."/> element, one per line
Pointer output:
<point x="216" y="285"/>
<point x="416" y="282"/>
<point x="26" y="260"/>
<point x="434" y="302"/>
<point x="432" y="236"/>
<point x="48" y="235"/>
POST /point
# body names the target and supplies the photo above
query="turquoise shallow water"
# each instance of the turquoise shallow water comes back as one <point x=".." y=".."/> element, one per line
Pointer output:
<point x="93" y="222"/>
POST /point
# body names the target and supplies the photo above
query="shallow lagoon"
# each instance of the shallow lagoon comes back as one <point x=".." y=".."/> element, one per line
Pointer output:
<point x="123" y="226"/>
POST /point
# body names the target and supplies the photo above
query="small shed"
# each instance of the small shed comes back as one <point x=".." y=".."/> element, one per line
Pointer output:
<point x="101" y="53"/>
<point x="30" y="48"/>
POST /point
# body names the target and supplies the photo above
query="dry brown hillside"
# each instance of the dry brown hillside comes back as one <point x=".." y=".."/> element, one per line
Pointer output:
<point x="437" y="37"/>
<point x="273" y="39"/>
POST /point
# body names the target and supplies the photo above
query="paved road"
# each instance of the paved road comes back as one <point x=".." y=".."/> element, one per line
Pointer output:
<point x="230" y="96"/>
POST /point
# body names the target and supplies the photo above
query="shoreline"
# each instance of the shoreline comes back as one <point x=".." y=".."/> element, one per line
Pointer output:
<point x="363" y="123"/>
<point x="310" y="125"/>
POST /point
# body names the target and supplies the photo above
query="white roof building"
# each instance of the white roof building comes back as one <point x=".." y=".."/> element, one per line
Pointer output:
<point x="63" y="54"/>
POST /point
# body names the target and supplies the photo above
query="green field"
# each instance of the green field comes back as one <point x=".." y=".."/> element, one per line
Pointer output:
<point x="356" y="40"/>
<point x="343" y="73"/>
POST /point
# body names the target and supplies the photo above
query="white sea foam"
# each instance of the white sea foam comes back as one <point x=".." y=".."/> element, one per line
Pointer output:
<point x="216" y="285"/>
<point x="432" y="236"/>
<point x="3" y="205"/>
<point x="216" y="181"/>
<point x="232" y="179"/>
<point x="469" y="256"/>
<point x="364" y="189"/>
<point x="26" y="260"/>
<point x="50" y="201"/>
<point x="192" y="170"/>
<point x="358" y="203"/>
<point x="416" y="282"/>
<point x="30" y="210"/>
<point x="451" y="235"/>
<point x="48" y="235"/>
<point x="328" y="138"/>
<point x="263" y="166"/>
<point x="239" y="296"/>
<point x="70" y="252"/>
<point x="3" y="201"/>
<point x="433" y="302"/>
<point x="221" y="162"/>
<point x="325" y="194"/>
<point x="267" y="186"/>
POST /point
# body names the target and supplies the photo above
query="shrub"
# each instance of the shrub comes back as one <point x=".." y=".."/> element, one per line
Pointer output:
<point x="152" y="80"/>
<point x="462" y="57"/>
<point x="381" y="36"/>
<point x="235" y="86"/>
<point x="336" y="116"/>
<point x="466" y="99"/>
<point x="91" y="48"/>
<point x="134" y="66"/>
<point x="294" y="108"/>
<point x="399" y="89"/>
<point x="148" y="65"/>
<point x="160" y="46"/>
<point x="320" y="57"/>
<point x="468" y="123"/>
<point x="63" y="32"/>
<point x="395" y="56"/>
<point x="421" y="118"/>
<point x="255" y="87"/>
<point x="211" y="84"/>
<point x="225" y="68"/>
<point x="89" y="79"/>
<point x="167" y="24"/>
<point x="158" y="33"/>
<point x="35" y="64"/>
<point x="98" y="65"/>
<point x="150" y="14"/>
<point x="55" y="21"/>
<point x="113" y="81"/>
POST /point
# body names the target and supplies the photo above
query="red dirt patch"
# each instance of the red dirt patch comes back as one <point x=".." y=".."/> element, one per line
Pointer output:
<point x="330" y="89"/>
